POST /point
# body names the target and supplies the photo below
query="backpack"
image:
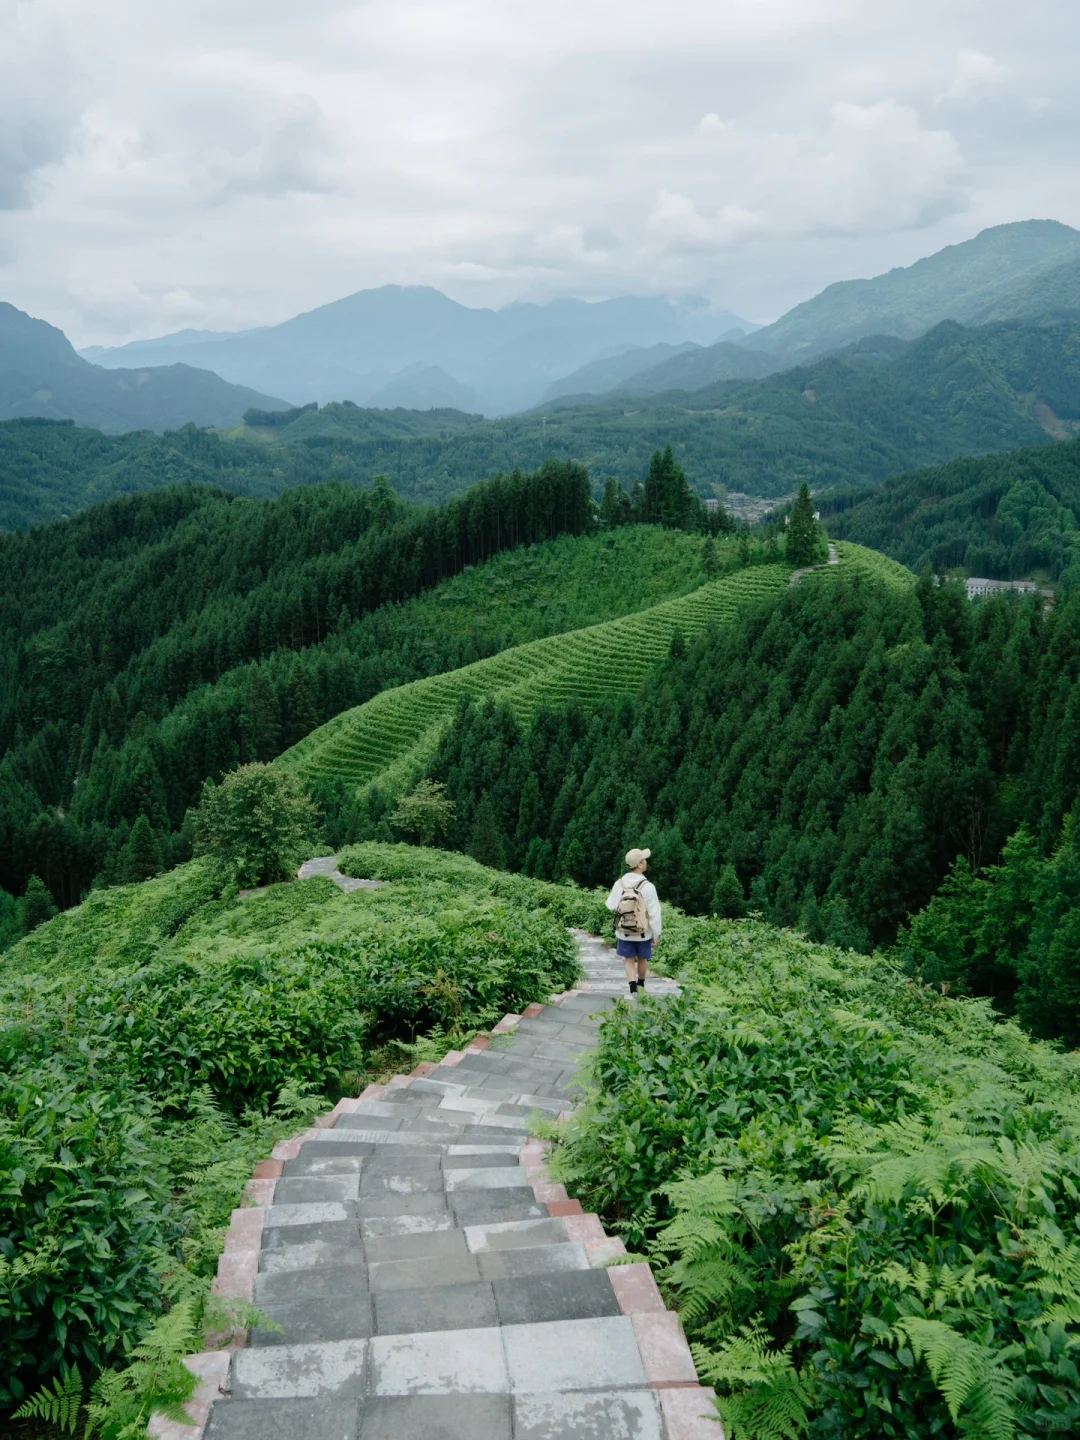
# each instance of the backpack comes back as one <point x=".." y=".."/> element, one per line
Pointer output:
<point x="631" y="913"/>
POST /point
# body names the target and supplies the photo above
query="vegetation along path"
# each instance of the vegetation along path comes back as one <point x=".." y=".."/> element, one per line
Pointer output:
<point x="430" y="1284"/>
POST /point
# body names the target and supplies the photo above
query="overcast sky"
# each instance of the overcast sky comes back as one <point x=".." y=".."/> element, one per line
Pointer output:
<point x="226" y="163"/>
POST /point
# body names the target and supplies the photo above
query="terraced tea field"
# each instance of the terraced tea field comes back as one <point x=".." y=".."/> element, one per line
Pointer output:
<point x="395" y="734"/>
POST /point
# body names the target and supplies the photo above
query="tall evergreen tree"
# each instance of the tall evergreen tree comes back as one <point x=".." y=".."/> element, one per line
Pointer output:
<point x="486" y="841"/>
<point x="803" y="540"/>
<point x="38" y="904"/>
<point x="141" y="856"/>
<point x="728" y="900"/>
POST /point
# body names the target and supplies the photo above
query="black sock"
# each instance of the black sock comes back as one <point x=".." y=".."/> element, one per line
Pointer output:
<point x="633" y="987"/>
<point x="641" y="982"/>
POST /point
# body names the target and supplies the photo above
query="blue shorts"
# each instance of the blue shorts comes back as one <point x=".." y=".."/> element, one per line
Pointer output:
<point x="634" y="949"/>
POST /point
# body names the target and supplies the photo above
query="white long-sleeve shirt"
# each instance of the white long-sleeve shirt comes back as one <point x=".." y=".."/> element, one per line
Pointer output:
<point x="648" y="894"/>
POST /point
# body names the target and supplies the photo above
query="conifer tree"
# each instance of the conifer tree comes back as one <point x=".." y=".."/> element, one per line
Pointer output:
<point x="141" y="856"/>
<point x="486" y="844"/>
<point x="710" y="560"/>
<point x="802" y="543"/>
<point x="727" y="898"/>
<point x="38" y="904"/>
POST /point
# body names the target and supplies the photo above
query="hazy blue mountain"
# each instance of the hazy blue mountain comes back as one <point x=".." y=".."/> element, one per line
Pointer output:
<point x="424" y="387"/>
<point x="698" y="368"/>
<point x="1007" y="272"/>
<point x="40" y="374"/>
<point x="607" y="372"/>
<point x="508" y="357"/>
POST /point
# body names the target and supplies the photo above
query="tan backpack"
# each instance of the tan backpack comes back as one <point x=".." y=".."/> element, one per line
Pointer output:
<point x="631" y="914"/>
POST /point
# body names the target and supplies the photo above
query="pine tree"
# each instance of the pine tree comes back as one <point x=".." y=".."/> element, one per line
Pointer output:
<point x="141" y="856"/>
<point x="486" y="843"/>
<point x="710" y="559"/>
<point x="727" y="898"/>
<point x="611" y="507"/>
<point x="802" y="543"/>
<point x="38" y="904"/>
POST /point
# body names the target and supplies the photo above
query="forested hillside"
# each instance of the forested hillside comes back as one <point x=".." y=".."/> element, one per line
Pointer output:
<point x="1003" y="516"/>
<point x="881" y="407"/>
<point x="837" y="747"/>
<point x="160" y="640"/>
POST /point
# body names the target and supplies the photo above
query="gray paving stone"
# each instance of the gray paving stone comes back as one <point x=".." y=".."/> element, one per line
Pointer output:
<point x="496" y="1159"/>
<point x="428" y="1245"/>
<point x="337" y="1143"/>
<point x="610" y="1415"/>
<point x="569" y="1295"/>
<point x="396" y="1163"/>
<point x="514" y="1234"/>
<point x="311" y="1256"/>
<point x="327" y="1317"/>
<point x="424" y="1202"/>
<point x="422" y="1273"/>
<point x="440" y="1307"/>
<point x="293" y="1372"/>
<point x="331" y="1232"/>
<point x="478" y="1207"/>
<point x="444" y="1417"/>
<point x="572" y="1355"/>
<point x="324" y="1281"/>
<point x="376" y="1226"/>
<point x="444" y="1362"/>
<point x="322" y="1165"/>
<point x="499" y="1177"/>
<point x="284" y="1420"/>
<point x="288" y="1217"/>
<point x="533" y="1260"/>
<point x="394" y="1182"/>
<point x="366" y="1120"/>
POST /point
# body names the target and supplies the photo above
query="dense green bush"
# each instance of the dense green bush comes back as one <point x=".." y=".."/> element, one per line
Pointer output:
<point x="258" y="823"/>
<point x="863" y="1195"/>
<point x="84" y="1209"/>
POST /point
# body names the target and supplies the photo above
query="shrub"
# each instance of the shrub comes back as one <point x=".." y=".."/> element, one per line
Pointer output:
<point x="83" y="1211"/>
<point x="258" y="822"/>
<point x="862" y="1195"/>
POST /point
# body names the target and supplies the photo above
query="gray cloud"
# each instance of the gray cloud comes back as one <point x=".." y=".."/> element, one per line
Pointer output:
<point x="229" y="162"/>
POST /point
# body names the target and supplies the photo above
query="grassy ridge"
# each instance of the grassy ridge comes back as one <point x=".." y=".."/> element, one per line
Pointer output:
<point x="393" y="735"/>
<point x="398" y="731"/>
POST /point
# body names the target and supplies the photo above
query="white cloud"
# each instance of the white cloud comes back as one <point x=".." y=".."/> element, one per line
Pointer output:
<point x="230" y="162"/>
<point x="975" y="75"/>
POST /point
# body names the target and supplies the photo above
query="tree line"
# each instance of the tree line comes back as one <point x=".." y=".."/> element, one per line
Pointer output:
<point x="117" y="627"/>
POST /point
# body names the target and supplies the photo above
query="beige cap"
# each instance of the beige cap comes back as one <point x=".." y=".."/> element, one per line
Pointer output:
<point x="635" y="857"/>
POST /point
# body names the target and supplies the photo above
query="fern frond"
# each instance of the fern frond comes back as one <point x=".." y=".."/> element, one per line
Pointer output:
<point x="966" y="1373"/>
<point x="58" y="1404"/>
<point x="770" y="1398"/>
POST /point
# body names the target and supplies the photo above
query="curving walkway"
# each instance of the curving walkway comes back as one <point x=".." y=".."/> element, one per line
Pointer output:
<point x="431" y="1284"/>
<point x="834" y="559"/>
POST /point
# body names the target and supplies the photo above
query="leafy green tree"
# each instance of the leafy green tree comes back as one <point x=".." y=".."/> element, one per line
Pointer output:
<point x="38" y="904"/>
<point x="710" y="559"/>
<point x="615" y="506"/>
<point x="486" y="841"/>
<point x="427" y="812"/>
<point x="728" y="900"/>
<point x="10" y="923"/>
<point x="257" y="822"/>
<point x="141" y="856"/>
<point x="803" y="540"/>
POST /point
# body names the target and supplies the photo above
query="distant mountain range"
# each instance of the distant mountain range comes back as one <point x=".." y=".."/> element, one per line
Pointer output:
<point x="849" y="420"/>
<point x="40" y="374"/>
<point x="390" y="339"/>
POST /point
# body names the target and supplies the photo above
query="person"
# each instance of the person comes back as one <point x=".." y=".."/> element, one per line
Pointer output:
<point x="638" y="922"/>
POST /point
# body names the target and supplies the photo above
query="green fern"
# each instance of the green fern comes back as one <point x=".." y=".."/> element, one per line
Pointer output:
<point x="57" y="1404"/>
<point x="770" y="1397"/>
<point x="157" y="1382"/>
<point x="970" y="1376"/>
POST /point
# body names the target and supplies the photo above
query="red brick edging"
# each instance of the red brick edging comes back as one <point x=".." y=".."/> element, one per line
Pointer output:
<point x="687" y="1406"/>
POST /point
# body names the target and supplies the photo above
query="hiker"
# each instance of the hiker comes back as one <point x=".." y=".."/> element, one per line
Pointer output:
<point x="637" y="918"/>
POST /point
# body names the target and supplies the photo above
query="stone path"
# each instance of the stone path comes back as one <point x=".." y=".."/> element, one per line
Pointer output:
<point x="328" y="865"/>
<point x="431" y="1284"/>
<point x="834" y="559"/>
